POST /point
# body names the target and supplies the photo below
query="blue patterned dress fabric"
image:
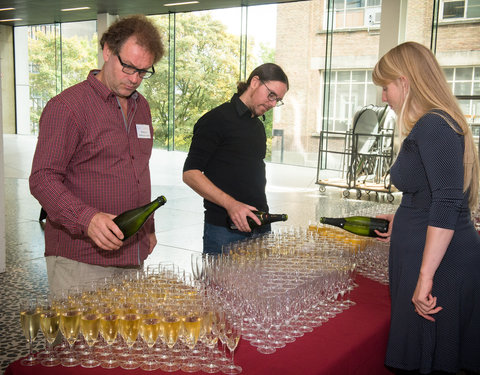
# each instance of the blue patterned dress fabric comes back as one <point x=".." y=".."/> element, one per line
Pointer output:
<point x="429" y="172"/>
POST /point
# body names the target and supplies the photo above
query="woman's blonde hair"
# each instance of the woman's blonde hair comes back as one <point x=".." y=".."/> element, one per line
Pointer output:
<point x="428" y="90"/>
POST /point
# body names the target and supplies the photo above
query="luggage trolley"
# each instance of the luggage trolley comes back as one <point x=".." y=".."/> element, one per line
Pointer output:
<point x="367" y="155"/>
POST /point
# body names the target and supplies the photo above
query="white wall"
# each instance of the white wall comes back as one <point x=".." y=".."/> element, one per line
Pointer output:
<point x="22" y="88"/>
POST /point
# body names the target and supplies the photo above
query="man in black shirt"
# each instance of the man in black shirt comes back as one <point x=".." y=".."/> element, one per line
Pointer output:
<point x="225" y="162"/>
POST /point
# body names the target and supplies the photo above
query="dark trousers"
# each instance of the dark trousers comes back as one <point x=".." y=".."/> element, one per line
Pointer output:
<point x="217" y="237"/>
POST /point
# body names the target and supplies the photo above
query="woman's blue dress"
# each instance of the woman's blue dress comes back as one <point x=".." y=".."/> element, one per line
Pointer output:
<point x="429" y="172"/>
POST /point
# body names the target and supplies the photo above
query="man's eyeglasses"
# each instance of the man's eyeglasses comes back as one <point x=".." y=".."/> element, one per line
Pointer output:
<point x="273" y="97"/>
<point x="142" y="73"/>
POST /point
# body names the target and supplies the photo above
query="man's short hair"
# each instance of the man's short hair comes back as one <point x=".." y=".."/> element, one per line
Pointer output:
<point x="141" y="27"/>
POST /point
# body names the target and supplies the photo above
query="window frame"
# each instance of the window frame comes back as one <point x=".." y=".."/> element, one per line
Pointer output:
<point x="464" y="17"/>
<point x="371" y="11"/>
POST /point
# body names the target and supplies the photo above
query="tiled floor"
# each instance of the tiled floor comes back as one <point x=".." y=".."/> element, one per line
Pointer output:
<point x="179" y="224"/>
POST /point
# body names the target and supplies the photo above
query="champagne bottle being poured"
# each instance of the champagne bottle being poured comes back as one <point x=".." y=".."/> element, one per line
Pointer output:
<point x="361" y="225"/>
<point x="264" y="217"/>
<point x="132" y="220"/>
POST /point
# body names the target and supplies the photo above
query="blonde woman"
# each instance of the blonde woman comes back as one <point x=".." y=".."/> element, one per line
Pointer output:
<point x="435" y="250"/>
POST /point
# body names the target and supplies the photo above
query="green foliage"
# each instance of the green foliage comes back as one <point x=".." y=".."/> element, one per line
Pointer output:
<point x="268" y="131"/>
<point x="206" y="70"/>
<point x="53" y="71"/>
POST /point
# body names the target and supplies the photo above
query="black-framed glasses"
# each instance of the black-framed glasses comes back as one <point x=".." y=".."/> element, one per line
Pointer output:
<point x="142" y="73"/>
<point x="273" y="97"/>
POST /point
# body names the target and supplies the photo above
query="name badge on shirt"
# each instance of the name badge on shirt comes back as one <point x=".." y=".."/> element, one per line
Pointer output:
<point x="143" y="131"/>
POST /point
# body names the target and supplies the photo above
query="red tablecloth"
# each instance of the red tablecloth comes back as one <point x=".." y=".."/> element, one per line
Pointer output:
<point x="353" y="343"/>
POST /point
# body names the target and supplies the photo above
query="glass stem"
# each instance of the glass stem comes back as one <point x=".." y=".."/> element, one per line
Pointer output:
<point x="233" y="357"/>
<point x="30" y="348"/>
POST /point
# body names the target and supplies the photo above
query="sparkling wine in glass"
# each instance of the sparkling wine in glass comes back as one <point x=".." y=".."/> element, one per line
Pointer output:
<point x="129" y="329"/>
<point x="70" y="327"/>
<point x="171" y="324"/>
<point x="232" y="333"/>
<point x="90" y="327"/>
<point x="109" y="324"/>
<point x="30" y="321"/>
<point x="210" y="340"/>
<point x="50" y="325"/>
<point x="150" y="329"/>
<point x="192" y="327"/>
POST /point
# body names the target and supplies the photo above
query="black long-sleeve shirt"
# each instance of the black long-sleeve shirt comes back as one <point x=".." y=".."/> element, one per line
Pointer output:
<point x="229" y="146"/>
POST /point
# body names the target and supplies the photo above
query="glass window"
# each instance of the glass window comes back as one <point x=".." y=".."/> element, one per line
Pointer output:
<point x="156" y="90"/>
<point x="457" y="50"/>
<point x="206" y="69"/>
<point x="466" y="81"/>
<point x="476" y="88"/>
<point x="453" y="9"/>
<point x="195" y="77"/>
<point x="355" y="3"/>
<point x="261" y="48"/>
<point x="473" y="9"/>
<point x="463" y="88"/>
<point x="79" y="51"/>
<point x="350" y="91"/>
<point x="458" y="9"/>
<point x="208" y="52"/>
<point x="356" y="13"/>
<point x="300" y="51"/>
<point x="449" y="73"/>
<point x="462" y="74"/>
<point x="50" y="59"/>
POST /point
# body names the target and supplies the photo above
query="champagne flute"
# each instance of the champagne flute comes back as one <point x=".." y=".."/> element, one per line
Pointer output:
<point x="150" y="329"/>
<point x="232" y="334"/>
<point x="129" y="328"/>
<point x="109" y="323"/>
<point x="171" y="323"/>
<point x="76" y="296"/>
<point x="58" y="300"/>
<point x="90" y="326"/>
<point x="198" y="261"/>
<point x="70" y="326"/>
<point x="192" y="326"/>
<point x="50" y="325"/>
<point x="210" y="340"/>
<point x="219" y="330"/>
<point x="30" y="321"/>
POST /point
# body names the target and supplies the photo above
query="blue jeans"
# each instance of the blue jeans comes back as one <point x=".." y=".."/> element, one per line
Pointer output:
<point x="214" y="236"/>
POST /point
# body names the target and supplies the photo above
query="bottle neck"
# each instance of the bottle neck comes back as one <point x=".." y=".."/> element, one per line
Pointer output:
<point x="152" y="206"/>
<point x="338" y="222"/>
<point x="276" y="217"/>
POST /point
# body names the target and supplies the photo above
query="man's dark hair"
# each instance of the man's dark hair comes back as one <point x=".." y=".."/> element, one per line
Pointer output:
<point x="265" y="72"/>
<point x="141" y="27"/>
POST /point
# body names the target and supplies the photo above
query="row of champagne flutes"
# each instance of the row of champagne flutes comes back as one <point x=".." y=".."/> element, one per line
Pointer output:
<point x="282" y="284"/>
<point x="372" y="255"/>
<point x="372" y="261"/>
<point x="160" y="318"/>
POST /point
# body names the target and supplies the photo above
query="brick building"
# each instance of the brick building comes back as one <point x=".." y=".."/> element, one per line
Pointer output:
<point x="356" y="42"/>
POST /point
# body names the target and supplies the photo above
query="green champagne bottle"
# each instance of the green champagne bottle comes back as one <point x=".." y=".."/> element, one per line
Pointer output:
<point x="361" y="225"/>
<point x="264" y="217"/>
<point x="132" y="220"/>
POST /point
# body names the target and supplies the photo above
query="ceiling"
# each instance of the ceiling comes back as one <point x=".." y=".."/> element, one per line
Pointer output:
<point x="36" y="12"/>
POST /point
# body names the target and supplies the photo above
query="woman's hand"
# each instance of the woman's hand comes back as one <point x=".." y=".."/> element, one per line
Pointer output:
<point x="385" y="237"/>
<point x="423" y="300"/>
